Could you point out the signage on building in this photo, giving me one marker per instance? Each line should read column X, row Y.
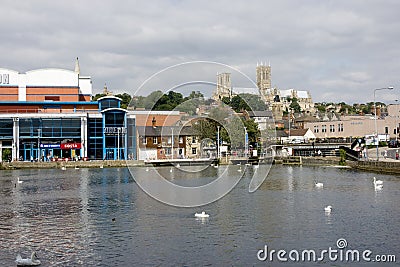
column 71, row 146
column 49, row 145
column 4, row 78
column 114, row 130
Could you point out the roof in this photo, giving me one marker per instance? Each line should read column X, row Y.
column 109, row 97
column 260, row 113
column 306, row 119
column 281, row 133
column 164, row 131
column 298, row 132
column 20, row 103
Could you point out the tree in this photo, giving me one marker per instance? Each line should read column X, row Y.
column 295, row 105
column 152, row 99
column 126, row 99
column 252, row 130
column 97, row 96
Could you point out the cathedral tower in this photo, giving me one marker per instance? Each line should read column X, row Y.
column 264, row 78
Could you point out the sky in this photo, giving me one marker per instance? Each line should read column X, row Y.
column 338, row 50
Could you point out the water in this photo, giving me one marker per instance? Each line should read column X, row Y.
column 66, row 217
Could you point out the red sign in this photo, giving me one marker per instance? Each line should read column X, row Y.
column 71, row 146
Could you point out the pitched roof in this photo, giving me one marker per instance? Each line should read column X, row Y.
column 298, row 132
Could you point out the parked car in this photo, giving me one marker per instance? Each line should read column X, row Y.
column 393, row 143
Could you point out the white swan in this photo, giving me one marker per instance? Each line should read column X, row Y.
column 378, row 187
column 27, row 262
column 201, row 215
column 328, row 209
column 63, row 168
column 319, row 185
column 19, row 181
column 170, row 170
column 377, row 182
column 101, row 166
column 147, row 169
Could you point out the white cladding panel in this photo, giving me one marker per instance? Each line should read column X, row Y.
column 85, row 85
column 51, row 77
column 8, row 77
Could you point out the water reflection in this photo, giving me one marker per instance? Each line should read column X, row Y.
column 99, row 217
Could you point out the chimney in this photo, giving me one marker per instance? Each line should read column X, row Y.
column 153, row 122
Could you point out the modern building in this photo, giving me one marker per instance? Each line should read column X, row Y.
column 334, row 126
column 48, row 114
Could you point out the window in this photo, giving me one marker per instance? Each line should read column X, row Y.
column 194, row 150
column 144, row 140
column 332, row 128
column 155, row 140
column 316, row 130
column 323, row 129
column 168, row 151
column 193, row 140
column 180, row 140
column 169, row 140
column 340, row 127
column 386, row 130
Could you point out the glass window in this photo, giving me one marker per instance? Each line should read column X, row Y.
column 194, row 150
column 155, row 140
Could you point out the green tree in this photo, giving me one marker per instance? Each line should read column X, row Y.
column 97, row 96
column 252, row 130
column 295, row 105
column 150, row 101
column 126, row 99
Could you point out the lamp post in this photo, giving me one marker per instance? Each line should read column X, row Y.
column 218, row 149
column 376, row 128
column 396, row 131
column 172, row 143
column 38, row 144
column 118, row 142
column 246, row 142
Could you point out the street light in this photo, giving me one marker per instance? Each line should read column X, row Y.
column 396, row 127
column 376, row 128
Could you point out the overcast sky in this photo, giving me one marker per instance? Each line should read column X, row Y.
column 338, row 50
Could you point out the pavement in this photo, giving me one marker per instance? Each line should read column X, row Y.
column 391, row 154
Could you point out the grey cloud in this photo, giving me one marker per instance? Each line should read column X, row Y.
column 339, row 50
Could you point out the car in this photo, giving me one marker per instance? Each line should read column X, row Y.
column 393, row 143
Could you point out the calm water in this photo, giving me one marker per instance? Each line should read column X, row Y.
column 66, row 216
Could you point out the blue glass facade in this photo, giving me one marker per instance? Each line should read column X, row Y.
column 109, row 133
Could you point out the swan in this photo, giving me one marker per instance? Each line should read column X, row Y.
column 201, row 215
column 63, row 168
column 101, row 166
column 216, row 166
column 319, row 185
column 240, row 169
column 378, row 186
column 178, row 165
column 147, row 169
column 76, row 168
column 328, row 209
column 19, row 181
column 27, row 262
column 377, row 182
column 170, row 170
